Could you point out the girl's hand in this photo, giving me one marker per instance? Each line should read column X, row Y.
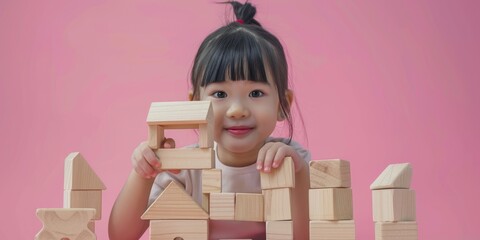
column 146, row 163
column 272, row 154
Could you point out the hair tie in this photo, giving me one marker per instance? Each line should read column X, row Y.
column 240, row 21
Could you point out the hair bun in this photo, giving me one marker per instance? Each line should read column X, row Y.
column 244, row 12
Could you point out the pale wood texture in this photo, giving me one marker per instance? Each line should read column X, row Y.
column 179, row 113
column 332, row 173
column 65, row 223
column 332, row 230
column 84, row 199
column 394, row 176
column 222, row 206
column 206, row 202
column 174, row 203
column 249, row 207
column 178, row 229
column 186, row 158
column 393, row 205
column 330, row 204
column 277, row 204
column 155, row 136
column 396, row 231
column 281, row 177
column 205, row 135
column 279, row 230
column 78, row 175
column 211, row 180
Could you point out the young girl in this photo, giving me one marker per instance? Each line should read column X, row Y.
column 241, row 68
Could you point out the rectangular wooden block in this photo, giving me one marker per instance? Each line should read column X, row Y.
column 84, row 199
column 179, row 229
column 155, row 136
column 249, row 207
column 396, row 231
column 211, row 180
column 330, row 204
column 222, row 206
column 391, row 205
column 205, row 135
column 186, row 158
column 333, row 173
column 277, row 204
column 179, row 113
column 206, row 202
column 328, row 230
column 279, row 230
column 65, row 223
column 281, row 177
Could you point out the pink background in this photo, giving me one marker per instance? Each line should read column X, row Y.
column 377, row 82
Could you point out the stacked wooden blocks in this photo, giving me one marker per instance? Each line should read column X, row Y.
column 394, row 204
column 330, row 201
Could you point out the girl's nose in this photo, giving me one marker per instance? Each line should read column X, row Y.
column 237, row 110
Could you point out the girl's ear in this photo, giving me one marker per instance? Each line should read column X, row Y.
column 289, row 97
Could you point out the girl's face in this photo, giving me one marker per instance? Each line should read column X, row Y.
column 245, row 113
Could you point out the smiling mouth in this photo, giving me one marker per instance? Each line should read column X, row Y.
column 239, row 131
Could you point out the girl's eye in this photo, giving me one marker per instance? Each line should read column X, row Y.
column 219, row 94
column 256, row 93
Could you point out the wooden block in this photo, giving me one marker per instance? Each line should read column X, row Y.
column 179, row 113
column 155, row 136
column 249, row 207
column 222, row 206
column 186, row 158
column 277, row 204
column 393, row 205
column 179, row 229
column 281, row 177
column 330, row 204
column 174, row 203
column 65, row 223
column 78, row 175
column 84, row 199
column 206, row 202
column 333, row 173
column 328, row 230
column 279, row 230
column 396, row 231
column 205, row 138
column 394, row 176
column 211, row 180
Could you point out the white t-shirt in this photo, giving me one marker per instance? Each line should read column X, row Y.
column 235, row 180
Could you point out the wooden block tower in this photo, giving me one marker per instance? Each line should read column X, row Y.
column 330, row 201
column 394, row 204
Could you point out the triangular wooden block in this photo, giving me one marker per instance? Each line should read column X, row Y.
column 174, row 203
column 394, row 176
column 79, row 175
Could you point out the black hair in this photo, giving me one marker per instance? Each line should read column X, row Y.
column 243, row 50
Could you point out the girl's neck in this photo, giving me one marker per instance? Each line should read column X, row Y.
column 233, row 159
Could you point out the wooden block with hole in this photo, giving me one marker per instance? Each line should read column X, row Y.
column 334, row 173
column 179, row 229
column 328, row 230
column 330, row 204
column 396, row 231
column 279, row 230
column 277, row 204
column 65, row 223
column 281, row 177
column 174, row 203
column 186, row 158
column 84, row 199
column 180, row 115
column 78, row 175
column 393, row 205
column 394, row 176
column 249, row 207
column 222, row 206
column 211, row 180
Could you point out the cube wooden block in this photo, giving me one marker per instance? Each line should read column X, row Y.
column 84, row 199
column 396, row 231
column 281, row 177
column 78, row 175
column 333, row 173
column 279, row 230
column 328, row 230
column 249, row 207
column 179, row 229
column 277, row 204
column 330, row 204
column 65, row 223
column 186, row 158
column 394, row 176
column 211, row 180
column 393, row 205
column 222, row 206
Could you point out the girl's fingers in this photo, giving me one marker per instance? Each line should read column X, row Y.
column 151, row 158
column 269, row 156
column 145, row 169
column 280, row 155
column 261, row 156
